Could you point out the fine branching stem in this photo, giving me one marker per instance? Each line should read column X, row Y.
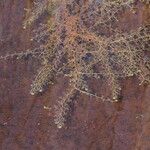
column 82, row 40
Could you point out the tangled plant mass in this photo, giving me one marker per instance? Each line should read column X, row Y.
column 81, row 39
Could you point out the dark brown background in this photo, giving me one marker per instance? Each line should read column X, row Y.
column 25, row 124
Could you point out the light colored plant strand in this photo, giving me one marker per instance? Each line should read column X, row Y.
column 69, row 46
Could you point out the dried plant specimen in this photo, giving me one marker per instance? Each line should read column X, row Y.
column 69, row 44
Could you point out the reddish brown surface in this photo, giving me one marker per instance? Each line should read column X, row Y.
column 26, row 125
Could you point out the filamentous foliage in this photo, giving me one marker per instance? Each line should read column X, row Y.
column 82, row 40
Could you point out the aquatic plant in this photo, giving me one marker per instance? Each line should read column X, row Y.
column 82, row 40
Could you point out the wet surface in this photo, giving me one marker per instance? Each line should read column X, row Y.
column 26, row 122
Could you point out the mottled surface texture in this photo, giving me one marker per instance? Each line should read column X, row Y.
column 26, row 122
